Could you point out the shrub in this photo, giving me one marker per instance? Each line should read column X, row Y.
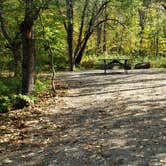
column 10, row 86
column 5, row 104
column 20, row 101
column 4, row 90
column 88, row 64
column 40, row 86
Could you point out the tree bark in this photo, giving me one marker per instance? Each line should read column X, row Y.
column 28, row 58
column 142, row 26
column 69, row 4
column 81, row 28
column 81, row 51
column 98, row 42
column 16, row 50
column 156, row 44
column 28, row 61
column 104, row 38
column 105, row 31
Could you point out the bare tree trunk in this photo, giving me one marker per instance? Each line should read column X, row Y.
column 156, row 44
column 69, row 4
column 92, row 25
column 142, row 26
column 104, row 38
column 98, row 42
column 81, row 28
column 17, row 59
column 81, row 51
column 105, row 31
column 28, row 61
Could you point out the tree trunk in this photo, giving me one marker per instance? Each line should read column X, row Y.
column 142, row 26
column 82, row 49
column 156, row 44
column 16, row 50
column 104, row 38
column 92, row 25
column 28, row 58
column 69, row 4
column 105, row 31
column 98, row 42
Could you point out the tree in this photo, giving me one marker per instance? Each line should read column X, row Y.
column 96, row 11
column 27, row 32
column 69, row 29
column 87, row 16
column 24, row 37
column 13, row 43
column 32, row 10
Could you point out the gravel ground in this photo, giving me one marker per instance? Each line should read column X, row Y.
column 113, row 119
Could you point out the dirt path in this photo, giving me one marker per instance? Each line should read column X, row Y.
column 114, row 119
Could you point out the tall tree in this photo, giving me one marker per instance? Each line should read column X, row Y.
column 25, row 38
column 28, row 62
column 13, row 43
column 32, row 10
column 93, row 23
column 89, row 12
column 142, row 12
column 69, row 29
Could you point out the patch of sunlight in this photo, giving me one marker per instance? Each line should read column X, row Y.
column 71, row 149
column 129, row 146
column 118, row 142
column 7, row 161
column 163, row 119
column 31, row 154
column 137, row 107
column 121, row 131
column 140, row 114
column 162, row 157
column 126, row 113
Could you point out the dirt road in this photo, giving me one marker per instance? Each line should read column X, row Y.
column 115, row 119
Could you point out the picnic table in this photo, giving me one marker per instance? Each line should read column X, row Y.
column 109, row 63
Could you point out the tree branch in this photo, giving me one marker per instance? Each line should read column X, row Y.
column 3, row 26
column 81, row 27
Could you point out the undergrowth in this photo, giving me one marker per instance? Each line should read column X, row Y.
column 10, row 93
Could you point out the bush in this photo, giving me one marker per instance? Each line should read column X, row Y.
column 88, row 64
column 89, row 61
column 10, row 86
column 4, row 90
column 40, row 86
column 20, row 101
column 5, row 104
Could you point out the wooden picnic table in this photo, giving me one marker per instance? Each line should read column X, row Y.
column 109, row 63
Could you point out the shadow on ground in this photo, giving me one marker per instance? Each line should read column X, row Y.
column 116, row 120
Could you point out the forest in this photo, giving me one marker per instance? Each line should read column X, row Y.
column 55, row 35
column 59, row 105
column 39, row 36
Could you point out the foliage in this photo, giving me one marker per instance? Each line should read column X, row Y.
column 20, row 101
column 5, row 104
column 3, row 88
column 40, row 86
column 118, row 35
column 9, row 85
column 10, row 93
